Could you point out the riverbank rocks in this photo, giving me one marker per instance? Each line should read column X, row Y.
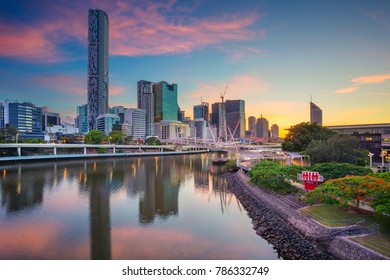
column 294, row 235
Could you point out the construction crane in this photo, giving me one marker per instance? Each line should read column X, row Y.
column 223, row 94
column 222, row 132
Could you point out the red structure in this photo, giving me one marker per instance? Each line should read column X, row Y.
column 310, row 179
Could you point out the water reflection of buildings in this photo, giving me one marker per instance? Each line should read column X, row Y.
column 19, row 192
column 98, row 183
column 155, row 181
column 160, row 194
column 23, row 187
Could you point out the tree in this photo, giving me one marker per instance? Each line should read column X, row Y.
column 8, row 134
column 270, row 174
column 64, row 139
column 338, row 148
column 117, row 136
column 350, row 190
column 334, row 170
column 94, row 137
column 299, row 136
column 33, row 140
column 153, row 141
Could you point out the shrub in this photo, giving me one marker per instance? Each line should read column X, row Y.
column 339, row 170
column 352, row 190
column 269, row 174
column 231, row 165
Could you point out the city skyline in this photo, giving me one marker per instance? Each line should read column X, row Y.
column 273, row 55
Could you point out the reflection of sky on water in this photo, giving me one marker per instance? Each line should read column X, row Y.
column 173, row 207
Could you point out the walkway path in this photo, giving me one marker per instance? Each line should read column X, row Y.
column 295, row 235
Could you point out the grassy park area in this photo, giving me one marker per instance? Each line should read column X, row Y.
column 334, row 216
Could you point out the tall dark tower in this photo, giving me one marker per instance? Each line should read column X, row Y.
column 315, row 114
column 97, row 65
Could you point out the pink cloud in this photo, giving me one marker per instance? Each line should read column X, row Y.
column 116, row 90
column 239, row 86
column 136, row 28
column 371, row 79
column 27, row 42
column 71, row 84
column 243, row 53
column 346, row 90
column 363, row 80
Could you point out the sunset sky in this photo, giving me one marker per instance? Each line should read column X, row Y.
column 275, row 55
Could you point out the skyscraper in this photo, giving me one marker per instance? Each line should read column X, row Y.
column 201, row 111
column 2, row 125
column 252, row 125
column 136, row 118
column 145, row 101
column 97, row 66
column 82, row 118
column 315, row 114
column 274, row 131
column 165, row 102
column 235, row 118
column 262, row 127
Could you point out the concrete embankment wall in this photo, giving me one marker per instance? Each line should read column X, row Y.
column 294, row 234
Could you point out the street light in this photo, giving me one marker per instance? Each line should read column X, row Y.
column 16, row 138
column 370, row 155
column 383, row 158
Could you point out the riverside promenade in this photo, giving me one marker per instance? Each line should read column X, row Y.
column 293, row 234
column 31, row 152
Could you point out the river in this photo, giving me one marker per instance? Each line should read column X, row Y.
column 168, row 207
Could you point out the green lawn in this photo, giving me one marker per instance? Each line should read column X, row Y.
column 335, row 216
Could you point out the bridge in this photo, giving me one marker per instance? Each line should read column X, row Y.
column 22, row 151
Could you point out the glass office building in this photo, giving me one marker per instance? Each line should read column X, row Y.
column 165, row 102
column 26, row 117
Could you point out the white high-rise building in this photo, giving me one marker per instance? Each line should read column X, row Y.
column 145, row 101
column 136, row 119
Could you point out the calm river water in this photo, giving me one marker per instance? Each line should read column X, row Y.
column 171, row 207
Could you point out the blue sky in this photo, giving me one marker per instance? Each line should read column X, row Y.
column 274, row 54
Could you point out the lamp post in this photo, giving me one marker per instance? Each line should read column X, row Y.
column 370, row 155
column 16, row 138
column 383, row 158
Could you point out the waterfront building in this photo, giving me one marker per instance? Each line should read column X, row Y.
column 25, row 116
column 97, row 66
column 371, row 137
column 262, row 127
column 82, row 119
column 106, row 122
column 165, row 102
column 172, row 130
column 49, row 119
column 63, row 129
column 135, row 119
column 252, row 126
column 119, row 111
column 191, row 127
column 181, row 115
column 218, row 119
column 275, row 131
column 202, row 111
column 235, row 117
column 2, row 116
column 315, row 114
column 200, row 128
column 145, row 101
